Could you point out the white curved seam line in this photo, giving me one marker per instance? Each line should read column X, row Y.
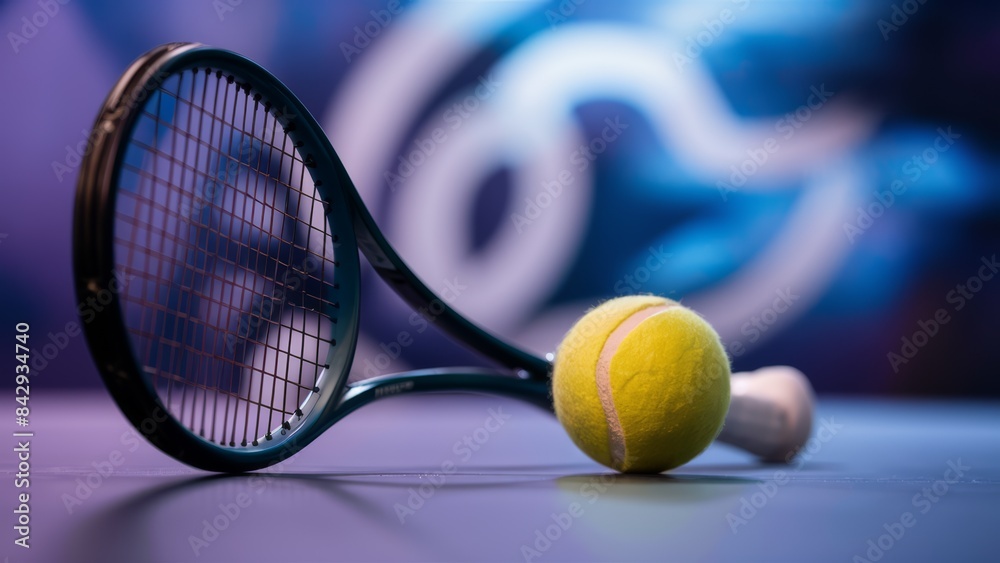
column 616, row 435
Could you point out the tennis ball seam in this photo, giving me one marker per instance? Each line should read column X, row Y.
column 616, row 433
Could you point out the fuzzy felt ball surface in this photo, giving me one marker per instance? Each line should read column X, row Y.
column 641, row 384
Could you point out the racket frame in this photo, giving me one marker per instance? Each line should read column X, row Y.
column 525, row 376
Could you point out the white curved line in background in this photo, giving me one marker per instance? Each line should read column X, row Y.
column 803, row 260
column 804, row 257
column 549, row 75
column 543, row 80
column 521, row 263
column 391, row 81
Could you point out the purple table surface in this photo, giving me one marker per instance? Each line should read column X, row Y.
column 891, row 481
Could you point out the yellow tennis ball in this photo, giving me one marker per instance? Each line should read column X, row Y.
column 641, row 384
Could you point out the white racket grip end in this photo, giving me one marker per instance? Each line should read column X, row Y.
column 770, row 413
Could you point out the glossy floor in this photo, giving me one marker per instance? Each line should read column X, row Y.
column 428, row 478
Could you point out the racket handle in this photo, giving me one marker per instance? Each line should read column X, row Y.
column 770, row 413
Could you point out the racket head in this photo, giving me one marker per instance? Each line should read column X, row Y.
column 192, row 247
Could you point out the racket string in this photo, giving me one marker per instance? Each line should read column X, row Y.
column 215, row 313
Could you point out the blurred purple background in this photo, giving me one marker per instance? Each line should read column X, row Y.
column 817, row 178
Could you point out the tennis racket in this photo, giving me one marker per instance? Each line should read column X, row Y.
column 221, row 234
